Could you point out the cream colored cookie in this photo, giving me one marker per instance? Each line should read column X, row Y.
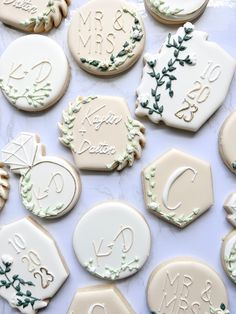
column 188, row 286
column 4, row 185
column 112, row 241
column 176, row 11
column 228, row 255
column 34, row 73
column 36, row 16
column 101, row 133
column 99, row 300
column 106, row 37
column 172, row 185
column 186, row 81
column 32, row 269
column 230, row 207
column 49, row 186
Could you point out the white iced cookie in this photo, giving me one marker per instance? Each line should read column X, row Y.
column 101, row 133
column 228, row 255
column 34, row 73
column 28, row 277
column 49, row 186
column 176, row 11
column 186, row 82
column 106, row 37
column 36, row 16
column 172, row 185
column 4, row 185
column 227, row 146
column 230, row 207
column 99, row 300
column 112, row 241
column 185, row 285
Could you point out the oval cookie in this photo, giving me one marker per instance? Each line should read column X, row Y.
column 112, row 241
column 106, row 37
column 49, row 186
column 34, row 73
column 4, row 185
column 36, row 16
column 176, row 11
column 101, row 133
column 29, row 278
column 186, row 285
column 228, row 255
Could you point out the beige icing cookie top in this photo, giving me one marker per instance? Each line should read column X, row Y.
column 101, row 133
column 28, row 278
column 185, row 285
column 34, row 73
column 228, row 254
column 227, row 145
column 99, row 300
column 49, row 186
column 112, row 241
column 33, row 15
column 4, row 185
column 106, row 37
column 172, row 185
column 186, row 82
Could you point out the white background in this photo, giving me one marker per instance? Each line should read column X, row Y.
column 201, row 239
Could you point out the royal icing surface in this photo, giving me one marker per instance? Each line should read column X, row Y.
column 181, row 84
column 4, row 185
column 33, row 15
column 34, row 73
column 99, row 299
column 28, row 278
column 228, row 254
column 49, row 186
column 172, row 185
column 101, row 133
column 230, row 207
column 112, row 241
column 106, row 37
column 188, row 286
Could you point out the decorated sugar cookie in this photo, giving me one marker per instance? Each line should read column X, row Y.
column 186, row 285
column 186, row 82
column 101, row 133
column 36, row 16
column 99, row 299
column 176, row 11
column 106, row 37
column 230, row 207
column 112, row 241
column 49, row 186
column 28, row 277
column 228, row 255
column 172, row 185
column 34, row 73
column 4, row 185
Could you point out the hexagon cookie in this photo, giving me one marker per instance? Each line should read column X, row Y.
column 186, row 82
column 178, row 187
column 101, row 133
column 28, row 276
column 101, row 300
column 4, row 185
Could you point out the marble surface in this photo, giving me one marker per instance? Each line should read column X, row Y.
column 203, row 238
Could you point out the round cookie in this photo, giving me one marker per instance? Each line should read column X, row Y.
column 228, row 255
column 227, row 146
column 186, row 285
column 112, row 241
column 34, row 73
column 106, row 37
column 36, row 16
column 49, row 186
column 4, row 185
column 176, row 11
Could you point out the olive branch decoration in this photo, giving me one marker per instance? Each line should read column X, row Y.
column 160, row 5
column 231, row 263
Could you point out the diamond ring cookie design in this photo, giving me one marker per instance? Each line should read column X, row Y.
column 49, row 186
column 112, row 241
column 186, row 82
column 176, row 11
column 185, row 284
column 34, row 73
column 172, row 185
column 35, row 16
column 28, row 278
column 106, row 37
column 4, row 185
column 230, row 208
column 101, row 133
